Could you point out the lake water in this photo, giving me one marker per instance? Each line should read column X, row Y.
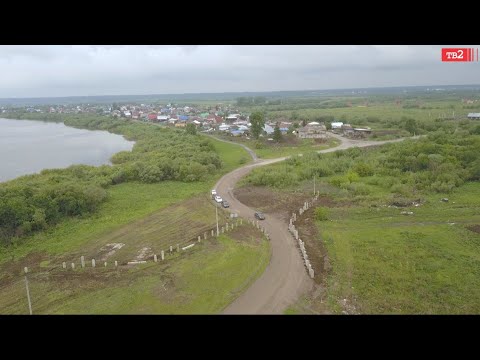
column 28, row 147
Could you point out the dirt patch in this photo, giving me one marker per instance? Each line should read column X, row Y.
column 143, row 254
column 474, row 228
column 13, row 268
column 110, row 249
column 277, row 203
column 246, row 233
column 317, row 253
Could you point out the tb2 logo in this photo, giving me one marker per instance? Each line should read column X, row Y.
column 459, row 54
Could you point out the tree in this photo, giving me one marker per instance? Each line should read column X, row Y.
column 191, row 129
column 411, row 126
column 257, row 119
column 277, row 134
column 304, row 122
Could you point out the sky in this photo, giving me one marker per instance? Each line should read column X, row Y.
column 83, row 70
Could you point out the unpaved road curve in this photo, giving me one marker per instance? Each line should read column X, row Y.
column 285, row 278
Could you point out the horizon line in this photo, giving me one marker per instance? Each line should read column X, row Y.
column 237, row 92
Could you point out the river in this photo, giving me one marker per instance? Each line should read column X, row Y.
column 27, row 147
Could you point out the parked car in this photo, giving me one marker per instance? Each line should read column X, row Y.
column 225, row 204
column 214, row 193
column 259, row 216
column 218, row 199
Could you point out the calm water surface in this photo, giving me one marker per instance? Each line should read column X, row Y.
column 28, row 147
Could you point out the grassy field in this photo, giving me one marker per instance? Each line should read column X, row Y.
column 385, row 262
column 202, row 280
column 269, row 150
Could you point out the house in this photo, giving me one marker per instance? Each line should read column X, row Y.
column 162, row 118
column 361, row 132
column 236, row 132
column 232, row 117
column 315, row 131
column 152, row 117
column 337, row 125
column 347, row 129
column 473, row 116
column 224, row 127
column 268, row 129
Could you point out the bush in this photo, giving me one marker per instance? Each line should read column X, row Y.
column 321, row 214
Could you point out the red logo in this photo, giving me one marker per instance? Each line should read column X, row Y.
column 459, row 54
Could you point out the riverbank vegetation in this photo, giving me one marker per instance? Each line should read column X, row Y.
column 34, row 202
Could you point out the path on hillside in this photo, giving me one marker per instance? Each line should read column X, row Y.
column 285, row 278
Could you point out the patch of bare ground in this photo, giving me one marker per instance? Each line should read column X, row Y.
column 278, row 203
column 246, row 233
column 474, row 228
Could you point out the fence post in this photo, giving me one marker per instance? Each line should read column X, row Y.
column 73, row 266
column 82, row 260
column 163, row 255
column 93, row 262
column 64, row 265
column 178, row 247
column 116, row 263
column 199, row 238
column 155, row 257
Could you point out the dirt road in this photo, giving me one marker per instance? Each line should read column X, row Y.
column 285, row 278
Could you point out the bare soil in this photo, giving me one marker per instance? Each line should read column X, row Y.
column 474, row 228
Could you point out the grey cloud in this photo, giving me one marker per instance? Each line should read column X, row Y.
column 30, row 71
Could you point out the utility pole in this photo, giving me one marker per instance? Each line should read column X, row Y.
column 216, row 216
column 313, row 185
column 28, row 291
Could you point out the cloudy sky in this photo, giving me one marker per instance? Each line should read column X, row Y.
column 42, row 71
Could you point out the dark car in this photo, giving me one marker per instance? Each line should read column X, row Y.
column 259, row 216
column 225, row 204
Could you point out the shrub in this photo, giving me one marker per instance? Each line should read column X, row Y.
column 321, row 214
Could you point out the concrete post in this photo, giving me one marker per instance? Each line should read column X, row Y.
column 155, row 257
column 64, row 265
column 163, row 255
column 204, row 236
column 178, row 247
column 241, row 222
column 82, row 260
column 105, row 264
column 93, row 262
column 171, row 248
column 73, row 266
column 116, row 263
column 199, row 238
column 312, row 273
column 212, row 233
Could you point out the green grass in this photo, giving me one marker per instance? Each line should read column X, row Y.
column 273, row 151
column 232, row 155
column 203, row 280
column 426, row 263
